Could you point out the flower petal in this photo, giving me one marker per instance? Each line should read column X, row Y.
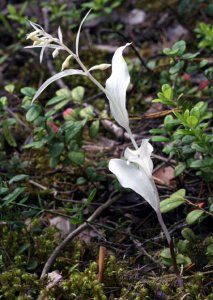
column 116, row 86
column 56, row 77
column 141, row 156
column 136, row 179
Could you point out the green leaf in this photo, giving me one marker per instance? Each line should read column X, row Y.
column 72, row 128
column 94, row 128
column 77, row 157
column 56, row 149
column 90, row 198
column 32, row 265
column 160, row 139
column 192, row 121
column 176, row 68
column 18, row 178
column 13, row 196
column 78, row 93
column 35, row 145
column 194, row 216
column 170, row 204
column 33, row 113
column 55, row 100
column 7, row 132
column 167, row 91
column 11, row 9
column 9, row 88
column 181, row 46
column 175, row 200
column 180, row 168
column 206, row 162
column 28, row 91
column 165, row 253
column 190, row 55
column 61, row 104
column 87, row 112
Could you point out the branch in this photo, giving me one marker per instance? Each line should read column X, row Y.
column 74, row 233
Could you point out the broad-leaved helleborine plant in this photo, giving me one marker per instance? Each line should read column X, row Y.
column 135, row 170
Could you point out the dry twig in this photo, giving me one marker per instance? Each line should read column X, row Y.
column 74, row 233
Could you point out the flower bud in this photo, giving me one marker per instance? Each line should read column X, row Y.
column 68, row 113
column 65, row 64
column 55, row 53
column 53, row 126
column 203, row 85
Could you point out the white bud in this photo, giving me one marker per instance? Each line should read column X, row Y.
column 55, row 53
column 100, row 67
column 65, row 64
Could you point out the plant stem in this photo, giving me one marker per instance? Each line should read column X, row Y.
column 172, row 250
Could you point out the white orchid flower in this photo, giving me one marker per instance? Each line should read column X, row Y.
column 116, row 86
column 136, row 173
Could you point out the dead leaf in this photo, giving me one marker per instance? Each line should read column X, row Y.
column 62, row 223
column 165, row 176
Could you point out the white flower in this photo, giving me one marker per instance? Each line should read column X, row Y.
column 136, row 173
column 116, row 86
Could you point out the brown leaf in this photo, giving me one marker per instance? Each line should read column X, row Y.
column 165, row 176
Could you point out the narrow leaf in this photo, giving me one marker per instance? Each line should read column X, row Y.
column 56, row 77
column 79, row 31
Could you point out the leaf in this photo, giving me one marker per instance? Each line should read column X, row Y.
column 136, row 179
column 116, row 86
column 32, row 265
column 71, row 129
column 56, row 149
column 28, row 91
column 78, row 33
column 9, row 88
column 77, row 157
column 159, row 139
column 181, row 46
column 94, row 128
column 176, row 68
column 18, row 178
column 56, row 77
column 8, row 134
column 87, row 112
column 167, row 91
column 180, row 168
column 33, row 113
column 13, row 196
column 194, row 216
column 77, row 93
column 170, row 204
column 55, row 100
column 90, row 198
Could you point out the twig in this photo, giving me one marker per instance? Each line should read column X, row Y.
column 74, row 233
column 200, row 208
column 42, row 187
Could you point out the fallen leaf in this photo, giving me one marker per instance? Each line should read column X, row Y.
column 165, row 176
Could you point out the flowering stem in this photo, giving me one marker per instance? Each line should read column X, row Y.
column 172, row 249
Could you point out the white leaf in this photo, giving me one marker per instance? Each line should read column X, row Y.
column 141, row 156
column 78, row 34
column 136, row 179
column 56, row 77
column 60, row 36
column 42, row 52
column 116, row 86
column 100, row 67
column 42, row 45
